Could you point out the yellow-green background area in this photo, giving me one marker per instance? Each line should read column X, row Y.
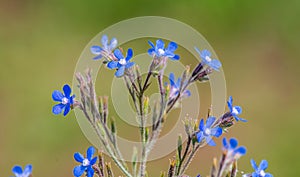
column 40, row 42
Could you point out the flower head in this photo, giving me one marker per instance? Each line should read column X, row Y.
column 260, row 170
column 207, row 131
column 86, row 163
column 206, row 59
column 122, row 62
column 160, row 51
column 235, row 110
column 106, row 49
column 17, row 170
column 231, row 149
column 175, row 87
column 65, row 99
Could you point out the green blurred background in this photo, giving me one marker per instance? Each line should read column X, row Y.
column 40, row 42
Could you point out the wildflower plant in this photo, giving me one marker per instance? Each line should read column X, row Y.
column 171, row 91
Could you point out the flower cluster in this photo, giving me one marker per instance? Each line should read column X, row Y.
column 198, row 135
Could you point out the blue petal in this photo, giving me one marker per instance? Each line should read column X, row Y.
column 217, row 131
column 90, row 171
column 253, row 164
column 120, row 71
column 96, row 50
column 90, row 152
column 27, row 170
column 239, row 109
column 97, row 57
column 57, row 95
column 239, row 119
column 175, row 57
column 172, row 47
column 118, row 54
column 67, row 109
column 263, row 165
column 255, row 175
column 229, row 103
column 57, row 109
column 71, row 100
column 225, row 144
column 199, row 136
column 93, row 161
column 159, row 44
column 172, row 79
column 210, row 121
column 129, row 54
column 67, row 90
column 113, row 44
column 17, row 170
column 150, row 51
column 241, row 150
column 104, row 41
column 233, row 143
column 201, row 125
column 215, row 64
column 197, row 50
column 268, row 175
column 210, row 141
column 205, row 53
column 187, row 93
column 129, row 65
column 78, row 157
column 78, row 170
column 151, row 44
column 112, row 64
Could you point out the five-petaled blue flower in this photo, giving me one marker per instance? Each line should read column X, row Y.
column 206, row 58
column 17, row 170
column 122, row 63
column 260, row 170
column 106, row 48
column 66, row 100
column 206, row 131
column 86, row 163
column 175, row 86
column 231, row 149
column 235, row 110
column 160, row 51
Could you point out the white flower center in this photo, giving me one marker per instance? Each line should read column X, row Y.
column 64, row 100
column 208, row 59
column 262, row 173
column 86, row 162
column 122, row 61
column 161, row 51
column 207, row 131
column 235, row 111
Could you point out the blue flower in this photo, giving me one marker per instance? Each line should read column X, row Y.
column 206, row 131
column 175, row 87
column 17, row 170
column 66, row 100
column 206, row 58
column 86, row 163
column 260, row 171
column 160, row 51
column 122, row 63
column 231, row 149
column 106, row 48
column 235, row 110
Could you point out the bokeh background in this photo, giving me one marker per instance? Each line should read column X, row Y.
column 40, row 42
